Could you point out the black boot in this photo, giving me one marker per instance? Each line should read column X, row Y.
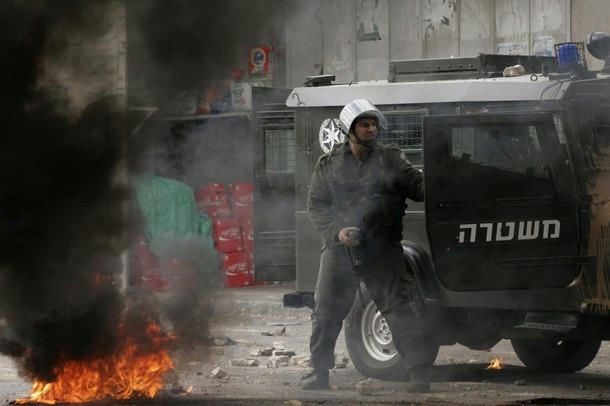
column 318, row 379
column 420, row 380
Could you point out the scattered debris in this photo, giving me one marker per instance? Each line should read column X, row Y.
column 301, row 361
column 248, row 362
column 278, row 361
column 219, row 373
column 367, row 387
column 521, row 382
column 341, row 361
column 221, row 340
column 180, row 390
column 293, row 402
column 283, row 352
column 277, row 332
column 265, row 352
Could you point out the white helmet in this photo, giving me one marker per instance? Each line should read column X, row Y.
column 359, row 108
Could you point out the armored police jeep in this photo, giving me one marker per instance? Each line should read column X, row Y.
column 513, row 239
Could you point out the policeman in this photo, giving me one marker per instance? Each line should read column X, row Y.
column 356, row 202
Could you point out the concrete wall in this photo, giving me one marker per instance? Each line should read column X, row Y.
column 356, row 39
column 587, row 16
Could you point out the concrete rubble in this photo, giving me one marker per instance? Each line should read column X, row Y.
column 264, row 352
column 301, row 361
column 341, row 361
column 219, row 373
column 248, row 362
column 279, row 331
column 284, row 352
column 278, row 361
column 367, row 387
column 222, row 340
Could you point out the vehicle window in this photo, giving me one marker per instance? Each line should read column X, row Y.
column 515, row 148
column 404, row 129
column 279, row 151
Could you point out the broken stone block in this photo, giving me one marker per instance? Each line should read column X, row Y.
column 278, row 345
column 367, row 387
column 301, row 361
column 267, row 351
column 219, row 373
column 244, row 362
column 279, row 331
column 221, row 340
column 341, row 361
column 276, row 362
column 287, row 353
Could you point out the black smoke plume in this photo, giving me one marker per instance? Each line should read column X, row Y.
column 61, row 223
column 177, row 45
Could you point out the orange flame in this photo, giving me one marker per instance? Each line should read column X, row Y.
column 123, row 375
column 495, row 363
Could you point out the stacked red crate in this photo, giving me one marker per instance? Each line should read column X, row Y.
column 242, row 199
column 242, row 203
column 236, row 267
column 228, row 234
column 213, row 200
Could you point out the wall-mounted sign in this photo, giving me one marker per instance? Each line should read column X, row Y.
column 259, row 63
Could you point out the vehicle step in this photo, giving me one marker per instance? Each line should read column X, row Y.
column 558, row 328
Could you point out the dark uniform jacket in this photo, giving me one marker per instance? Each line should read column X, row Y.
column 368, row 194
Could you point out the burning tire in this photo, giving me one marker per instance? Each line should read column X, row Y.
column 369, row 342
column 556, row 355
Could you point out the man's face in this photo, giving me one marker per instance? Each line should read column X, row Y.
column 366, row 128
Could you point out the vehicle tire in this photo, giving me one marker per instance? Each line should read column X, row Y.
column 369, row 342
column 549, row 355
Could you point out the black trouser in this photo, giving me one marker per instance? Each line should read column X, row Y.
column 335, row 292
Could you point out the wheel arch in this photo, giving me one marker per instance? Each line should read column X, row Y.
column 419, row 263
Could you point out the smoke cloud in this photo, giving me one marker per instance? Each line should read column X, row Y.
column 178, row 45
column 63, row 204
column 61, row 222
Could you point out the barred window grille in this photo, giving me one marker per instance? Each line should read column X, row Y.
column 279, row 151
column 404, row 129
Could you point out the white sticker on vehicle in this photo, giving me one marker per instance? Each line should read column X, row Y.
column 330, row 134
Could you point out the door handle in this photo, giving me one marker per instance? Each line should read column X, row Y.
column 453, row 205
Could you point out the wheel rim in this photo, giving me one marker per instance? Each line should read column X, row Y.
column 376, row 334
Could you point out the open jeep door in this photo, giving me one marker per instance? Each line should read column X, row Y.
column 501, row 207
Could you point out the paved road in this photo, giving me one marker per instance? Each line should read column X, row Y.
column 459, row 376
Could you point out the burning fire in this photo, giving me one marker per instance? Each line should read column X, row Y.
column 126, row 374
column 495, row 363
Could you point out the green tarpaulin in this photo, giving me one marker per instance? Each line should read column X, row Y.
column 174, row 227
